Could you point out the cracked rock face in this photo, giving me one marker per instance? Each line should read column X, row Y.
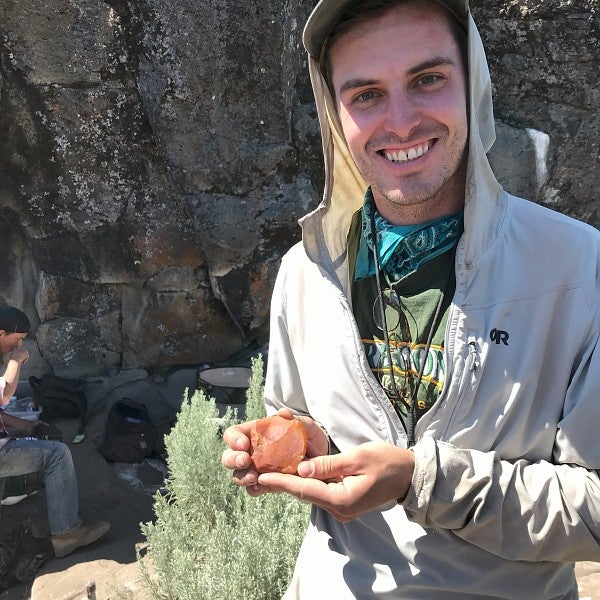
column 155, row 157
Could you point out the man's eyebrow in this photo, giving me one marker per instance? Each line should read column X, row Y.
column 353, row 84
column 432, row 63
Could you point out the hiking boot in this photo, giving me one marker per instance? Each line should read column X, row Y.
column 65, row 543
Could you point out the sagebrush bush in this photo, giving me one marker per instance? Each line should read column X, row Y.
column 210, row 539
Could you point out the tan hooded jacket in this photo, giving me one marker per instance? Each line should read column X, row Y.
column 506, row 492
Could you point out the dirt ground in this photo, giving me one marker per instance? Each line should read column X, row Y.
column 588, row 577
column 122, row 494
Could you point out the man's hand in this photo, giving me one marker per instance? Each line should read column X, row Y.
column 16, row 424
column 237, row 456
column 25, row 428
column 350, row 484
column 19, row 354
column 43, row 431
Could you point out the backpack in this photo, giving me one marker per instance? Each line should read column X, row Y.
column 130, row 436
column 60, row 398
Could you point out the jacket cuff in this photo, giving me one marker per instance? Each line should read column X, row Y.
column 331, row 447
column 419, row 494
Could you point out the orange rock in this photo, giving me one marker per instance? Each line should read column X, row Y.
column 277, row 444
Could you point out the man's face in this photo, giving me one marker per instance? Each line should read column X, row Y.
column 400, row 92
column 10, row 341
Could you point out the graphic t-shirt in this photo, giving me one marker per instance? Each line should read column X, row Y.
column 410, row 306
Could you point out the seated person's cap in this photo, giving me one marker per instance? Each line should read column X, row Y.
column 327, row 12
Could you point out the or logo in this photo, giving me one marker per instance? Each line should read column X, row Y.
column 499, row 336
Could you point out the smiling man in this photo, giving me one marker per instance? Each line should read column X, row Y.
column 404, row 119
column 438, row 337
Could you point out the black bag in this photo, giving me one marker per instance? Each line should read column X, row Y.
column 130, row 436
column 60, row 398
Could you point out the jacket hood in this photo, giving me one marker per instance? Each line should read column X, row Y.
column 325, row 229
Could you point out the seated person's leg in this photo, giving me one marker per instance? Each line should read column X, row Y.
column 54, row 459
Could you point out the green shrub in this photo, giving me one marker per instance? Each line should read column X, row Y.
column 210, row 539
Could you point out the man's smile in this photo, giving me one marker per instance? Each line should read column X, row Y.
column 402, row 156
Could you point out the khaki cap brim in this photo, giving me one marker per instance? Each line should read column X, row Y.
column 327, row 12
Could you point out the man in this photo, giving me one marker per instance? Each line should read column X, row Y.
column 15, row 326
column 439, row 333
column 22, row 455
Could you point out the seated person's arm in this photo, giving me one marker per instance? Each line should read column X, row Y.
column 18, row 425
column 15, row 359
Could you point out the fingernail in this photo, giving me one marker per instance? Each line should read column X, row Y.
column 305, row 468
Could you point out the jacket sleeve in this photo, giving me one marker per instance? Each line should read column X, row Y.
column 546, row 510
column 283, row 387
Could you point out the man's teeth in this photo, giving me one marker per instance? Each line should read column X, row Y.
column 405, row 156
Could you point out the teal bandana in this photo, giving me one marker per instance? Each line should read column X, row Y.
column 403, row 248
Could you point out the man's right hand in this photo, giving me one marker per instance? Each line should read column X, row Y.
column 20, row 354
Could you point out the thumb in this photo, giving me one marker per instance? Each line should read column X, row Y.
column 325, row 468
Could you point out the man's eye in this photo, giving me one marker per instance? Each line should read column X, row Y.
column 365, row 96
column 429, row 79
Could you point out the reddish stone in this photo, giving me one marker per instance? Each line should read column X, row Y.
column 277, row 444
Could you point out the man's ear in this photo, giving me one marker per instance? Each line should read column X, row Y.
column 2, row 332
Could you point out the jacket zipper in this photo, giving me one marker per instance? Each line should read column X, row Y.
column 375, row 388
column 471, row 366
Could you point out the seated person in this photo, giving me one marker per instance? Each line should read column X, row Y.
column 22, row 455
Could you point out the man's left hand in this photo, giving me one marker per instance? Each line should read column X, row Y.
column 44, row 431
column 349, row 484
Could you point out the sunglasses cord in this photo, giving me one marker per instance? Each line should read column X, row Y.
column 412, row 408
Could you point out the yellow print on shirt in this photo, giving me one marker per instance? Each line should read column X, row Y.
column 406, row 359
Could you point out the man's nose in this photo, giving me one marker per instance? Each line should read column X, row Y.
column 402, row 115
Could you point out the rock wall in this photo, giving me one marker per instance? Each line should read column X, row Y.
column 544, row 58
column 156, row 155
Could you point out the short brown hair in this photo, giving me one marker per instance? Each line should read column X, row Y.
column 362, row 11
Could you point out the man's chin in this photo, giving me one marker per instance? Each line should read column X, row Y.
column 401, row 197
